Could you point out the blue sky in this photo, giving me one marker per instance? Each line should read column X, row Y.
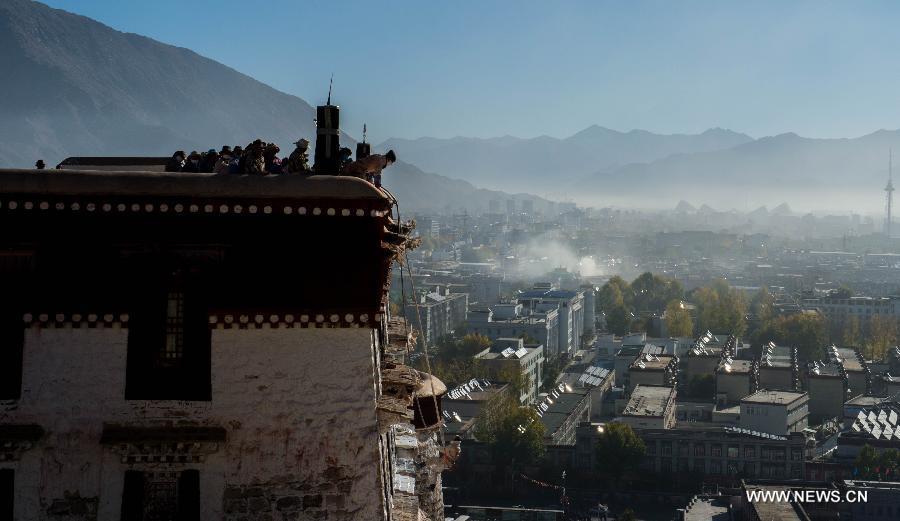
column 489, row 68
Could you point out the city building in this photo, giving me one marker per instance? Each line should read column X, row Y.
column 705, row 508
column 828, row 388
column 629, row 354
column 513, row 355
column 875, row 426
column 735, row 379
column 775, row 412
column 722, row 454
column 859, row 376
column 569, row 305
column 861, row 308
column 652, row 370
column 597, row 380
column 882, row 500
column 563, row 413
column 779, row 368
column 440, row 312
column 463, row 406
column 194, row 346
column 650, row 407
column 510, row 321
column 590, row 314
column 705, row 356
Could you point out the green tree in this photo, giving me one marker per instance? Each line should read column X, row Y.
column 866, row 461
column 619, row 451
column 805, row 331
column 627, row 515
column 889, row 463
column 720, row 308
column 612, row 294
column 851, row 334
column 453, row 370
column 678, row 320
column 652, row 292
column 472, row 344
column 762, row 306
column 618, row 320
column 515, row 434
column 882, row 335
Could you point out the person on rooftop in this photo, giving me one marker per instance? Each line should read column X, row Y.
column 176, row 164
column 298, row 161
column 273, row 162
column 192, row 164
column 234, row 166
column 224, row 160
column 254, row 161
column 208, row 161
column 370, row 168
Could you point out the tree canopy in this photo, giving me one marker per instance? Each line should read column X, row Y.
column 678, row 320
column 720, row 308
column 805, row 331
column 515, row 434
column 619, row 451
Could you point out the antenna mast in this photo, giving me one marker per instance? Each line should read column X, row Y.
column 889, row 194
column 329, row 89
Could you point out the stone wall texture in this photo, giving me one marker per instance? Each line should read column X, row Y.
column 298, row 407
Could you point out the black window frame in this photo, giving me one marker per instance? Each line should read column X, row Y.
column 149, row 374
column 12, row 354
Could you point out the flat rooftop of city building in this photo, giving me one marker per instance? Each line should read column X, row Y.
column 708, row 509
column 636, row 349
column 825, row 370
column 649, row 400
column 782, row 511
column 180, row 184
column 865, row 401
column 648, row 362
column 709, row 350
column 561, row 408
column 735, row 367
column 547, row 293
column 773, row 397
column 496, row 353
column 850, row 359
column 883, row 485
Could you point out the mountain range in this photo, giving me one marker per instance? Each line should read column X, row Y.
column 542, row 163
column 73, row 86
column 598, row 167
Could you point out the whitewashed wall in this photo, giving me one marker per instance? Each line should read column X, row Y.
column 298, row 406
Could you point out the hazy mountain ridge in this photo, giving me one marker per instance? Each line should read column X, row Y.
column 786, row 166
column 424, row 192
column 77, row 87
column 544, row 163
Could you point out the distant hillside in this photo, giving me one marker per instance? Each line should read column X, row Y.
column 73, row 86
column 817, row 173
column 544, row 164
column 420, row 191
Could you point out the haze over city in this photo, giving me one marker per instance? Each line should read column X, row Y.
column 474, row 261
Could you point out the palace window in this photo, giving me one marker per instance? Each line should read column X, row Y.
column 169, row 344
column 161, row 495
column 7, row 494
column 12, row 339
